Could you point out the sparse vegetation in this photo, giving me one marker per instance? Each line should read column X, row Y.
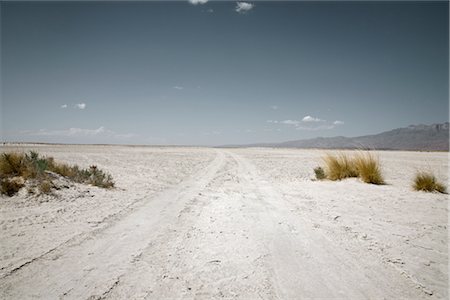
column 16, row 168
column 427, row 182
column 45, row 187
column 320, row 173
column 341, row 166
column 10, row 186
column 368, row 168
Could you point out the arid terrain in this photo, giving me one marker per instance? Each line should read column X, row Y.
column 226, row 223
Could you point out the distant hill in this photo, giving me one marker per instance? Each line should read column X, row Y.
column 433, row 137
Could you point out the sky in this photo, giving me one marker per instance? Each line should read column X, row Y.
column 212, row 72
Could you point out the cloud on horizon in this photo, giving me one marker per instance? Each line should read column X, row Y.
column 76, row 132
column 80, row 105
column 309, row 123
column 177, row 87
column 195, row 2
column 243, row 7
column 311, row 119
column 64, row 106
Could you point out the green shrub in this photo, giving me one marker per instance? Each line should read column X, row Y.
column 99, row 178
column 427, row 182
column 320, row 174
column 32, row 166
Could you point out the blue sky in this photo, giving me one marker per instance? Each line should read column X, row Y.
column 212, row 73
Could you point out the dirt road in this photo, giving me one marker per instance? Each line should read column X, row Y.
column 226, row 231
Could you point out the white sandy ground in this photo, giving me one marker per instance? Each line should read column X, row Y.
column 226, row 223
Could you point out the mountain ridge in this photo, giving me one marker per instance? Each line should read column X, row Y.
column 434, row 137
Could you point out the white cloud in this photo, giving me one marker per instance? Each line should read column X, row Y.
column 77, row 132
column 312, row 119
column 274, row 107
column 243, row 7
column 210, row 10
column 80, row 105
column 177, row 87
column 291, row 122
column 309, row 123
column 195, row 2
column 64, row 106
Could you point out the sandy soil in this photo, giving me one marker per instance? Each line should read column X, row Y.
column 226, row 223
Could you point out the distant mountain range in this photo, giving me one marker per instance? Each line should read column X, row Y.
column 433, row 137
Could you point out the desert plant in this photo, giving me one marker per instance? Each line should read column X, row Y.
column 45, row 186
column 100, row 178
column 426, row 181
column 339, row 167
column 10, row 186
column 32, row 166
column 368, row 168
column 320, row 174
column 12, row 164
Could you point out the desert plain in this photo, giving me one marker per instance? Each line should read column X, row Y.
column 248, row 223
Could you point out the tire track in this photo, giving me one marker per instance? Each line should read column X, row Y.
column 92, row 266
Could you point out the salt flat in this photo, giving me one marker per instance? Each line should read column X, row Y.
column 226, row 223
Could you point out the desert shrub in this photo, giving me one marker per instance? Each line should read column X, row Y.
column 426, row 181
column 368, row 168
column 35, row 166
column 45, row 186
column 320, row 173
column 32, row 166
column 12, row 164
column 99, row 178
column 10, row 186
column 339, row 167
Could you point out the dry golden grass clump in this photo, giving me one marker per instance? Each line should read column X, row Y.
column 363, row 165
column 16, row 168
column 339, row 167
column 427, row 182
column 368, row 168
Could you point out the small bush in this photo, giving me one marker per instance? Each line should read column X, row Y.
column 368, row 168
column 427, row 182
column 12, row 164
column 320, row 174
column 45, row 187
column 99, row 178
column 10, row 186
column 339, row 167
column 32, row 166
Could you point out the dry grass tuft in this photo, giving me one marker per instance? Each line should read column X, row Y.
column 339, row 167
column 10, row 186
column 427, row 182
column 368, row 168
column 45, row 187
column 12, row 164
